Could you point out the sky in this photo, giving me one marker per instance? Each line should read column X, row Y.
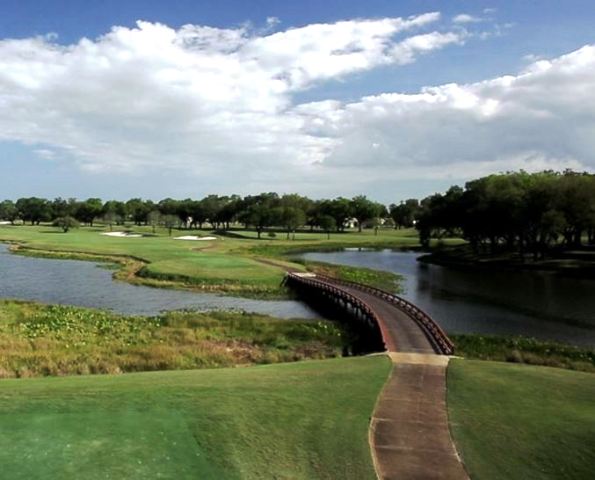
column 391, row 99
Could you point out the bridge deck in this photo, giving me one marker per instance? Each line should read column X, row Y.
column 410, row 437
column 405, row 334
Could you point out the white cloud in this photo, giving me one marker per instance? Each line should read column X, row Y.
column 540, row 119
column 466, row 18
column 195, row 99
column 218, row 105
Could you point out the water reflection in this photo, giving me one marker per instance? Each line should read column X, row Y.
column 86, row 284
column 542, row 305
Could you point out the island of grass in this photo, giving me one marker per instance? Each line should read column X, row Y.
column 237, row 264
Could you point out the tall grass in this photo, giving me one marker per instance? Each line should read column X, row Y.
column 39, row 340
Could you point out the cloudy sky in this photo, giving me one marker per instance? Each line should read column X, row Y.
column 390, row 99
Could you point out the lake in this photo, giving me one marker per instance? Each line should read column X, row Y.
column 87, row 284
column 537, row 304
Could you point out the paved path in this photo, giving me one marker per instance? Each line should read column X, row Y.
column 409, row 432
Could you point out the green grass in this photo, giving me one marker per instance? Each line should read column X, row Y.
column 522, row 422
column 231, row 264
column 38, row 340
column 524, row 350
column 303, row 420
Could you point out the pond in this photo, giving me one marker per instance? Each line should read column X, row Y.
column 537, row 304
column 87, row 284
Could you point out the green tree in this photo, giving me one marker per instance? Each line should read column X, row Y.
column 327, row 224
column 8, row 211
column 363, row 210
column 66, row 223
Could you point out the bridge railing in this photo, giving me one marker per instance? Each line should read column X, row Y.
column 433, row 331
column 352, row 299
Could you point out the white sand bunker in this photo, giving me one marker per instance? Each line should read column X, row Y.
column 122, row 234
column 194, row 237
column 4, row 222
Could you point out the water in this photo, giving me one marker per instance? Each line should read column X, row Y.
column 536, row 304
column 86, row 284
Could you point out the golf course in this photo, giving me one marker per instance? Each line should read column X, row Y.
column 162, row 396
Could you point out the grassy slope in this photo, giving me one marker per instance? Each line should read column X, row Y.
column 522, row 422
column 231, row 263
column 303, row 420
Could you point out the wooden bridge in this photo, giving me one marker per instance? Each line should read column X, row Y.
column 409, row 433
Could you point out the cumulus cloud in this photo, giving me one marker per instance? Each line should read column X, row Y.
column 209, row 103
column 540, row 119
column 195, row 98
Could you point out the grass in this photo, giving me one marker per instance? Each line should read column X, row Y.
column 524, row 350
column 522, row 422
column 303, row 420
column 232, row 264
column 39, row 340
column 376, row 278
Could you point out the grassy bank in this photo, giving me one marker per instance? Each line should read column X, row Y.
column 304, row 420
column 524, row 350
column 37, row 340
column 238, row 264
column 522, row 422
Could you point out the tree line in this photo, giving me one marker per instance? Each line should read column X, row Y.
column 289, row 212
column 517, row 212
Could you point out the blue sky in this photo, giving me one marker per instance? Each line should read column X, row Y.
column 153, row 127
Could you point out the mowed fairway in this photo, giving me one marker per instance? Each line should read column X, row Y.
column 304, row 420
column 522, row 422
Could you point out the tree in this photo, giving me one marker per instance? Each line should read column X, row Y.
column 138, row 210
column 291, row 218
column 153, row 219
column 88, row 210
column 260, row 211
column 170, row 222
column 34, row 210
column 114, row 211
column 66, row 223
column 8, row 211
column 405, row 214
column 363, row 210
column 327, row 223
column 339, row 209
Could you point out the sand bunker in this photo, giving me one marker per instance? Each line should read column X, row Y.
column 194, row 237
column 122, row 234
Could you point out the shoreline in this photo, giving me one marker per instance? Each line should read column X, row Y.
column 572, row 268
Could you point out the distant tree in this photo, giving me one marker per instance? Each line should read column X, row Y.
column 153, row 219
column 8, row 211
column 291, row 218
column 339, row 209
column 404, row 214
column 170, row 222
column 327, row 224
column 114, row 212
column 66, row 223
column 34, row 210
column 138, row 210
column 259, row 211
column 363, row 210
column 89, row 210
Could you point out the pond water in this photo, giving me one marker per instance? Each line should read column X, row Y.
column 86, row 284
column 536, row 304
